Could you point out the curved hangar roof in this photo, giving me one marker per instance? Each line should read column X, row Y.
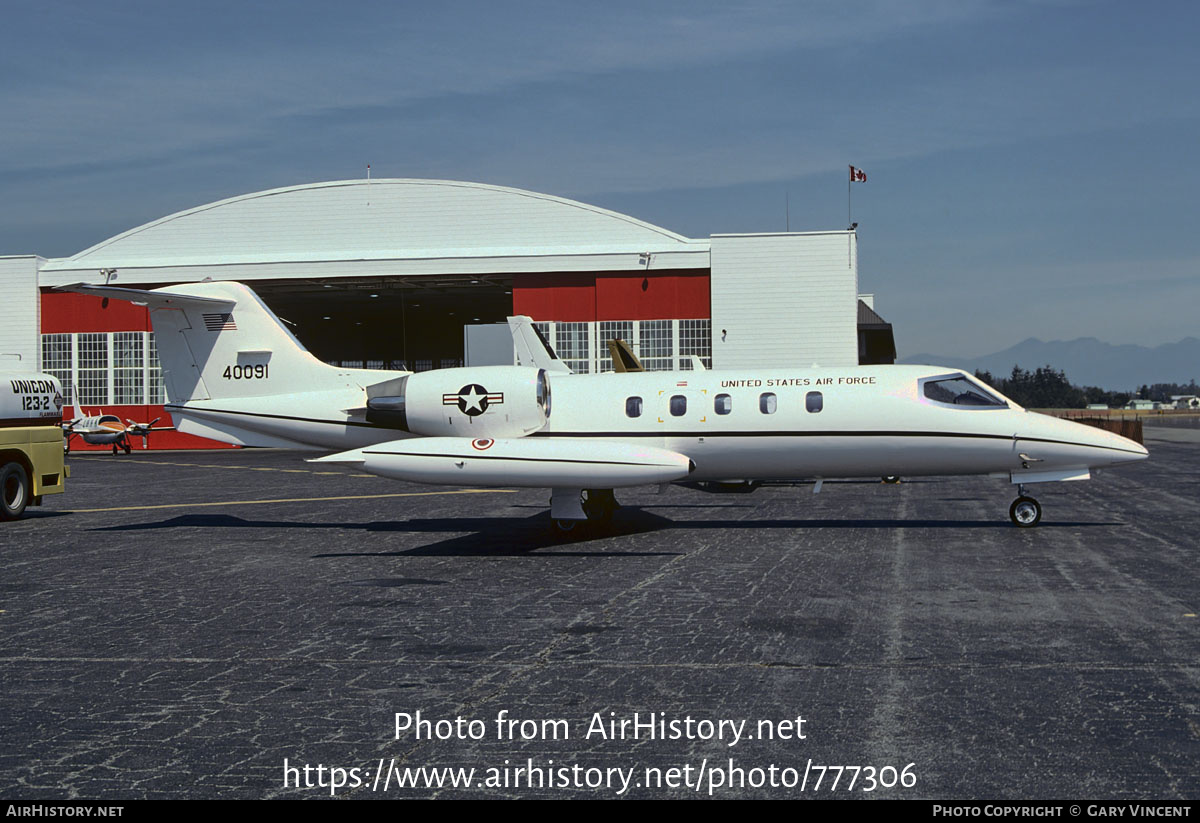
column 360, row 220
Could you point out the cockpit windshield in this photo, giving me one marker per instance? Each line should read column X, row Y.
column 957, row 390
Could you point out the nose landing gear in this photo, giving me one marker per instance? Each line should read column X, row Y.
column 1025, row 512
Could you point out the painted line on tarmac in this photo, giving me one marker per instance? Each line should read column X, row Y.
column 1082, row 667
column 229, row 466
column 286, row 500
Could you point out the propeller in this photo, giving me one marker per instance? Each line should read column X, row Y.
column 142, row 430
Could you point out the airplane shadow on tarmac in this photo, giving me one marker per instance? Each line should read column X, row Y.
column 484, row 537
column 517, row 536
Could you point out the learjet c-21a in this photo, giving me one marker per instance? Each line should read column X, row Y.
column 236, row 374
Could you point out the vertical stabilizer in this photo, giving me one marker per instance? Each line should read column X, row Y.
column 531, row 347
column 219, row 340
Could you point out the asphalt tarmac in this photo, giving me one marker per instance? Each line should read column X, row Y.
column 181, row 624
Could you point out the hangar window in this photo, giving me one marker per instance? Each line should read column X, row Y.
column 107, row 367
column 571, row 343
column 129, row 367
column 768, row 402
column 656, row 344
column 695, row 337
column 56, row 360
column 723, row 404
column 92, row 371
column 611, row 330
column 957, row 390
column 678, row 405
column 814, row 401
column 633, row 407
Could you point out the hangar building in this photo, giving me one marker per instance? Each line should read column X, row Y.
column 386, row 273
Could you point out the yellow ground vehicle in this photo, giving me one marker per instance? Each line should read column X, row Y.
column 31, row 452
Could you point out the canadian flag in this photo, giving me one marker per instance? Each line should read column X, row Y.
column 857, row 175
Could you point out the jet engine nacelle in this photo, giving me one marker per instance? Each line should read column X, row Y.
column 485, row 401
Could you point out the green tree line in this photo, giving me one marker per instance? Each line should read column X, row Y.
column 1049, row 388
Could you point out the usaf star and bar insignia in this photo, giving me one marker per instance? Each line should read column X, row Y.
column 473, row 399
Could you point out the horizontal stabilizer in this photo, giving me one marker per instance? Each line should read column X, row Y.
column 623, row 358
column 156, row 299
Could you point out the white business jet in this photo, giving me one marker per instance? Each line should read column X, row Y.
column 235, row 373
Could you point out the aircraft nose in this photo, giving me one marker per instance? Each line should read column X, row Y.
column 1126, row 449
column 1111, row 448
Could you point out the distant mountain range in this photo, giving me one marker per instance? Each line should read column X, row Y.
column 1087, row 361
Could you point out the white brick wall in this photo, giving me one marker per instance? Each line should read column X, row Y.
column 784, row 300
column 20, row 311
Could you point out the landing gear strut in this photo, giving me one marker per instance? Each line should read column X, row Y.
column 1025, row 512
column 596, row 505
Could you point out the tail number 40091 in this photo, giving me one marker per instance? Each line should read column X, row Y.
column 257, row 372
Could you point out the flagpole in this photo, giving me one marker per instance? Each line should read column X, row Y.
column 849, row 182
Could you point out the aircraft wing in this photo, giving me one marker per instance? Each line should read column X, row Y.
column 532, row 348
column 155, row 299
column 537, row 462
column 76, row 429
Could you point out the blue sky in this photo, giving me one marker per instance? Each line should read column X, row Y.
column 1032, row 165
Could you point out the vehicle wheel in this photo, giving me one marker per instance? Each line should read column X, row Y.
column 1025, row 512
column 565, row 526
column 892, row 479
column 740, row 486
column 126, row 447
column 114, row 448
column 14, row 491
column 599, row 504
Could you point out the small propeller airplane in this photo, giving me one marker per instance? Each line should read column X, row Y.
column 102, row 429
column 235, row 373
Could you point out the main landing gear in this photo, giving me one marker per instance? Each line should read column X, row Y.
column 596, row 505
column 1025, row 512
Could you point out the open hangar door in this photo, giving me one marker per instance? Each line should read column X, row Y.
column 410, row 322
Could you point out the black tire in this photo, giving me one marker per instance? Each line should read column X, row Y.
column 599, row 504
column 14, row 491
column 891, row 479
column 566, row 526
column 126, row 447
column 1025, row 512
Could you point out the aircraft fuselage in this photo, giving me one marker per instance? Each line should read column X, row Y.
column 864, row 421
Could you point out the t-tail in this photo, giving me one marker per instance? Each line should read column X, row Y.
column 227, row 360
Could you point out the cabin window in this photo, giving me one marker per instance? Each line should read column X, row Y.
column 678, row 405
column 633, row 407
column 722, row 404
column 767, row 403
column 957, row 390
column 814, row 401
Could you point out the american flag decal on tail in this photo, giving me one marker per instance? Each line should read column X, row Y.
column 219, row 322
